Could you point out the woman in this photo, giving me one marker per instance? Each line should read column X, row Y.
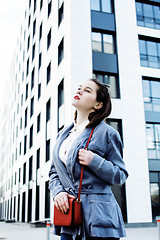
column 103, row 163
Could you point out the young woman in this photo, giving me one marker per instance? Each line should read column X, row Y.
column 103, row 163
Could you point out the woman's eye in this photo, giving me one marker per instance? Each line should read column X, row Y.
column 87, row 91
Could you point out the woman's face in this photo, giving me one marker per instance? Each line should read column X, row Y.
column 85, row 99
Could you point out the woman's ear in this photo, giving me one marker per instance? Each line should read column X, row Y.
column 98, row 105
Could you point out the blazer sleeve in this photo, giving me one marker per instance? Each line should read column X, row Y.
column 55, row 184
column 111, row 169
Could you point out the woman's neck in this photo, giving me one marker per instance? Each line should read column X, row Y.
column 81, row 118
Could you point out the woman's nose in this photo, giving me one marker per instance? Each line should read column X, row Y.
column 79, row 91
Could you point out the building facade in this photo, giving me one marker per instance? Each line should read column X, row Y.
column 61, row 44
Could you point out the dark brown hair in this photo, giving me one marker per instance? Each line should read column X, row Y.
column 103, row 96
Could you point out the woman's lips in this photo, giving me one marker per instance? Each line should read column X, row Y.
column 76, row 97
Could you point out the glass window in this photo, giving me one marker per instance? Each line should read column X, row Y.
column 153, row 140
column 152, row 48
column 95, row 5
column 106, row 6
column 148, row 10
column 96, row 42
column 155, row 199
column 142, row 46
column 139, row 8
column 108, row 43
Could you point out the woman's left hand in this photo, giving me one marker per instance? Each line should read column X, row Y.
column 85, row 156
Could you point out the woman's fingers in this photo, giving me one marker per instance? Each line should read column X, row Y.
column 61, row 201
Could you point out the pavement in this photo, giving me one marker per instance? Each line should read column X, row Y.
column 23, row 231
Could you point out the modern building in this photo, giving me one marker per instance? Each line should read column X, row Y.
column 61, row 44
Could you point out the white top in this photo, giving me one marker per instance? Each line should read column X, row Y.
column 67, row 143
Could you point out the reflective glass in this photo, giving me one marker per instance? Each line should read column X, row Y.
column 150, row 136
column 106, row 6
column 148, row 10
column 152, row 62
column 108, row 46
column 95, row 5
column 100, row 77
column 96, row 42
column 152, row 154
column 146, row 88
column 155, row 86
column 142, row 46
column 156, row 104
column 147, row 106
column 157, row 132
column 158, row 49
column 113, row 86
column 152, row 48
column 156, row 12
column 139, row 9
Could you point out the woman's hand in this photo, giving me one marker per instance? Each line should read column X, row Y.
column 61, row 201
column 85, row 156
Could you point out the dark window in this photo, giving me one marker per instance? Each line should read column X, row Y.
column 28, row 44
column 49, row 39
column 49, row 72
column 39, row 90
column 40, row 60
column 33, row 52
column 38, row 122
column 41, row 4
column 26, row 90
column 23, row 206
column 49, row 7
column 20, row 148
column 25, row 119
column 29, row 21
column 15, row 178
column 32, row 78
column 48, row 110
column 151, row 94
column 35, row 3
column 27, row 68
column 60, row 105
column 60, row 51
column 47, row 150
column 102, row 42
column 102, row 5
column 25, row 144
column 29, row 205
column 22, row 100
column 29, row 3
column 40, row 32
column 116, row 124
column 148, row 15
column 31, row 137
column 110, row 80
column 37, row 204
column 149, row 53
column 60, row 12
column 34, row 27
column 19, row 175
column 38, row 158
column 24, row 173
column 32, row 107
column 30, row 167
column 47, row 200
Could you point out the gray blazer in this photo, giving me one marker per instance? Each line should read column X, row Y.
column 102, row 215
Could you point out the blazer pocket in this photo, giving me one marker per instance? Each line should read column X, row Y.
column 97, row 150
column 103, row 214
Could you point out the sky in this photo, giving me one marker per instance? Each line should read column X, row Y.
column 12, row 14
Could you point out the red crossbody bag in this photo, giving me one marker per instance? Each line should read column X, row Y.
column 74, row 216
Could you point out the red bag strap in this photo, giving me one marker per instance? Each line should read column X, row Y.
column 82, row 168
